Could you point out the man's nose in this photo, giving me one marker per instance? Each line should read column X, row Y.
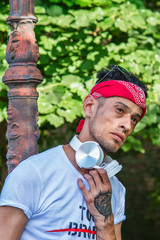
column 126, row 122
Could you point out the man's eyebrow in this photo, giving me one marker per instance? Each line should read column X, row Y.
column 128, row 108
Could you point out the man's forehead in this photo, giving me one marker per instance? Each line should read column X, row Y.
column 128, row 104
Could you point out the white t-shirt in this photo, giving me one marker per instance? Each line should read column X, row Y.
column 45, row 187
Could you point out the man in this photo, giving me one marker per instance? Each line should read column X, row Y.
column 49, row 196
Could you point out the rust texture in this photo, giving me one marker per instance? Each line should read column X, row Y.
column 22, row 78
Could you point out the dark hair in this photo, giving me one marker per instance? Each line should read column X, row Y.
column 115, row 72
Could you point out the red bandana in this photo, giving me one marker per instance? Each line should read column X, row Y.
column 113, row 88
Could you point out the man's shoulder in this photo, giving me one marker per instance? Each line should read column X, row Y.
column 45, row 155
column 40, row 161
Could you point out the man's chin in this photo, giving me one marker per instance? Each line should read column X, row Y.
column 112, row 148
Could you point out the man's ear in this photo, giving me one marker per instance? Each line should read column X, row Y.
column 89, row 105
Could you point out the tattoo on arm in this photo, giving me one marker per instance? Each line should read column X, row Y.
column 103, row 204
column 95, row 218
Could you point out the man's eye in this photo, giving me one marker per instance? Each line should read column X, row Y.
column 134, row 120
column 120, row 110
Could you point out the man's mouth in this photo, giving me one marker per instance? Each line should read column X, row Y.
column 119, row 137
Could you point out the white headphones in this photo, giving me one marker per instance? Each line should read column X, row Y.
column 90, row 155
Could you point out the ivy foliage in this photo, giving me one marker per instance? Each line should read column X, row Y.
column 77, row 38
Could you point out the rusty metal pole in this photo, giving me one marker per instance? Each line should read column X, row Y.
column 22, row 78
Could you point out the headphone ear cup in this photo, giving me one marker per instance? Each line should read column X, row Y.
column 89, row 154
column 101, row 158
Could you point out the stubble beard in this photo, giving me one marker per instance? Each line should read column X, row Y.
column 107, row 147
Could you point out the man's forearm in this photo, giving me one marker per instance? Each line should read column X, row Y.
column 105, row 229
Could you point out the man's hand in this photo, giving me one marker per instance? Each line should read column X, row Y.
column 98, row 200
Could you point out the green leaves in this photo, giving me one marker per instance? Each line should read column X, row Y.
column 62, row 101
column 67, row 80
column 3, row 113
column 133, row 143
column 75, row 44
column 55, row 10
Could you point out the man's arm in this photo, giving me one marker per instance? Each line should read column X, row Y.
column 12, row 223
column 98, row 200
column 117, row 228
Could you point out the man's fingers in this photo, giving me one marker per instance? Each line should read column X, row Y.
column 101, row 179
column 87, row 194
column 97, row 179
column 103, row 175
column 95, row 182
column 82, row 187
column 91, row 182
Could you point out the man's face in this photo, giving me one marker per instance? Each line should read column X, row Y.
column 111, row 123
